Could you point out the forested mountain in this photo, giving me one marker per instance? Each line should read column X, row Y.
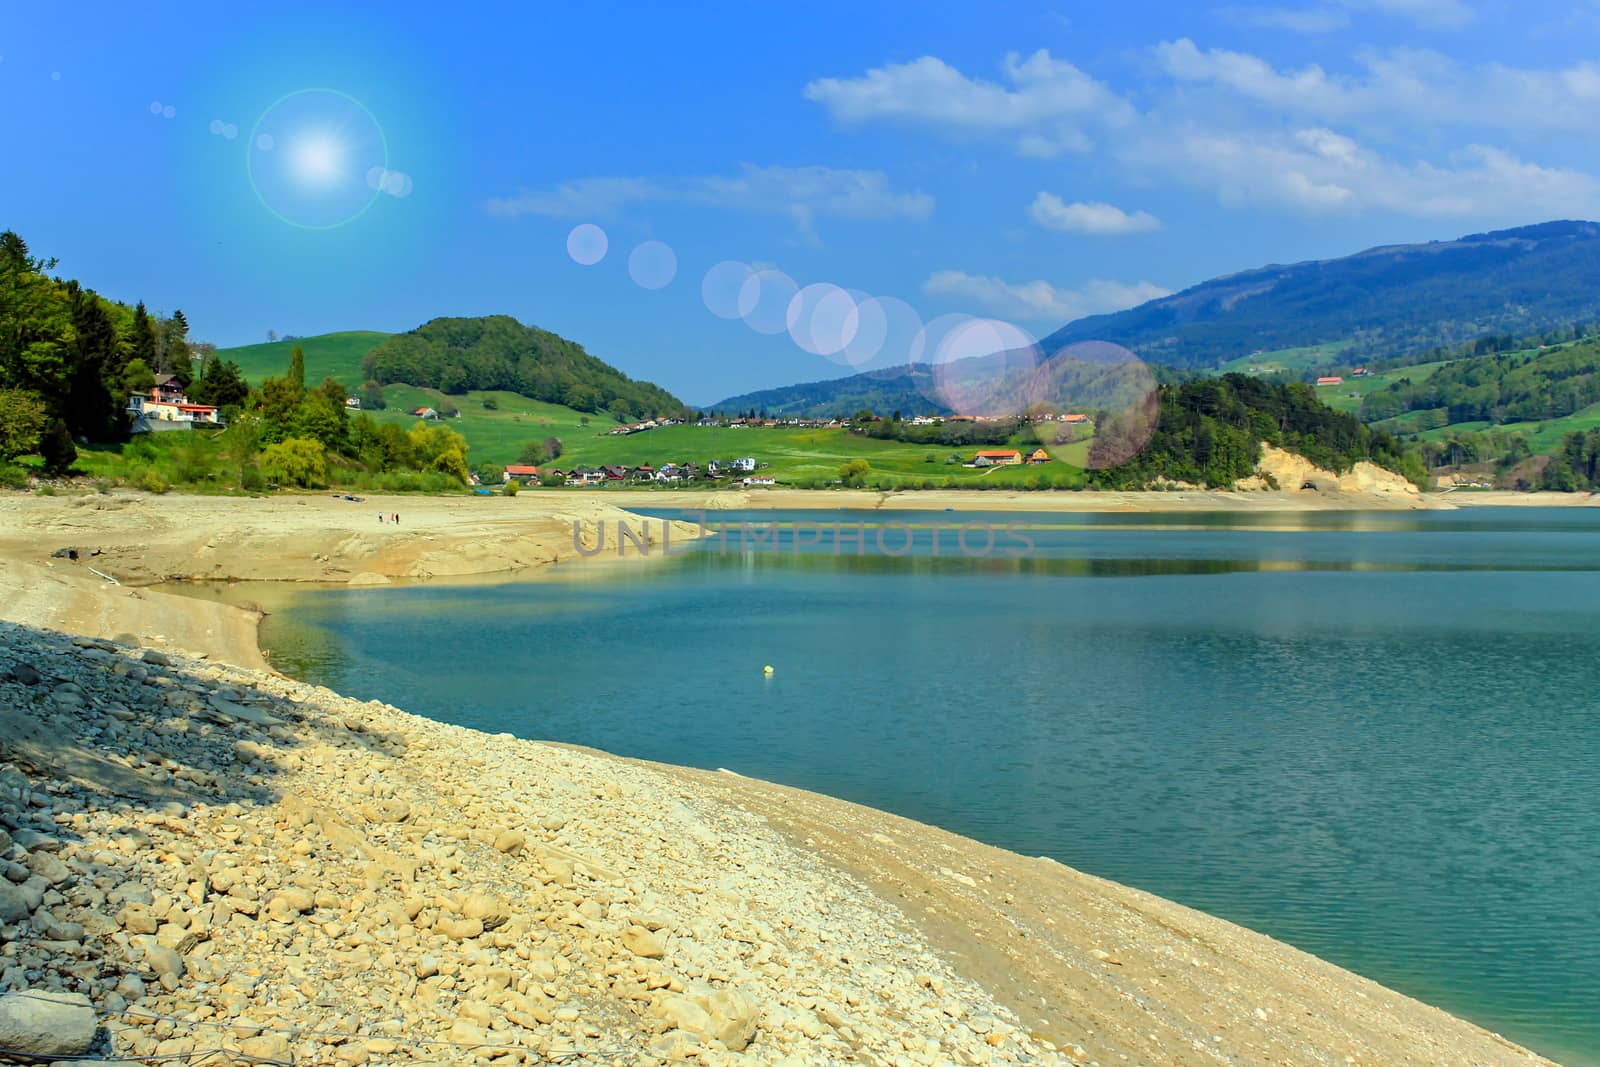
column 1516, row 387
column 1386, row 301
column 1210, row 432
column 498, row 352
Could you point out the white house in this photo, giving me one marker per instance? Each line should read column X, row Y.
column 166, row 408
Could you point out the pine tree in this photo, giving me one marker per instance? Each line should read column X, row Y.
column 142, row 341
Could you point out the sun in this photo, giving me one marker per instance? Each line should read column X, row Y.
column 318, row 159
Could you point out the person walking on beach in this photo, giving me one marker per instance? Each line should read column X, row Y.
column 380, row 518
column 397, row 518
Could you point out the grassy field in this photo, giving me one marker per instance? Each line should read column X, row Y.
column 1287, row 360
column 793, row 454
column 1543, row 437
column 1348, row 397
column 329, row 355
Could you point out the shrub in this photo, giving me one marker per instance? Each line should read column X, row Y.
column 298, row 461
column 150, row 481
column 13, row 477
column 511, row 488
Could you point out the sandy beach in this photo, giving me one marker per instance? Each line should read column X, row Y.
column 214, row 843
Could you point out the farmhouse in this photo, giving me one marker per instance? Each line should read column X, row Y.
column 1333, row 379
column 1038, row 456
column 997, row 457
column 425, row 413
column 353, row 403
column 521, row 470
column 166, row 408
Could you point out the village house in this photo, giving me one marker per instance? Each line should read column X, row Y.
column 425, row 413
column 997, row 457
column 167, row 408
column 353, row 403
column 522, row 471
column 1038, row 456
column 1332, row 379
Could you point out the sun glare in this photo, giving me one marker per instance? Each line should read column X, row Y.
column 317, row 159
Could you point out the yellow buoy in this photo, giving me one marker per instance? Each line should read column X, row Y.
column 767, row 669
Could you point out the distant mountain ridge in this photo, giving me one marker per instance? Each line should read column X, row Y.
column 1387, row 301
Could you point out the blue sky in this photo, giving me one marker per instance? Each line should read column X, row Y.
column 1032, row 165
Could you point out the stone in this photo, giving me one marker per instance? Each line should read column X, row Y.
column 510, row 840
column 48, row 867
column 681, row 1013
column 164, row 960
column 269, row 1047
column 46, row 1025
column 137, row 919
column 641, row 942
column 485, row 909
column 156, row 659
column 733, row 1015
column 13, row 903
column 458, row 929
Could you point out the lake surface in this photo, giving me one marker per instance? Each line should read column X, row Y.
column 1373, row 735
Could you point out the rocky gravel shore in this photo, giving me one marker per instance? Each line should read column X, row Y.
column 207, row 864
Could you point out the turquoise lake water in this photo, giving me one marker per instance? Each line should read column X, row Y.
column 1373, row 735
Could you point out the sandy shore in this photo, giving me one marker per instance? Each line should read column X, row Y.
column 836, row 932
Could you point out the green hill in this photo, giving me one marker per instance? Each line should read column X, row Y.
column 329, row 355
column 456, row 356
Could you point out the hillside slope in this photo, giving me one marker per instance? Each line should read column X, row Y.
column 1387, row 301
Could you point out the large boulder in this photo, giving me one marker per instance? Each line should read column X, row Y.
column 46, row 1025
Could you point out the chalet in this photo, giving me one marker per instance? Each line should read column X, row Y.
column 1332, row 379
column 166, row 408
column 353, row 403
column 1038, row 456
column 997, row 457
column 522, row 470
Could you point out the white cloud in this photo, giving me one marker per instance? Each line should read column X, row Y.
column 1293, row 19
column 1051, row 212
column 1399, row 85
column 1047, row 104
column 1319, row 171
column 802, row 193
column 1038, row 300
column 1335, row 15
column 1441, row 14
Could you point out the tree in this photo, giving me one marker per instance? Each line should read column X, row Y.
column 854, row 473
column 239, row 444
column 22, row 422
column 221, row 385
column 56, row 447
column 297, row 367
column 864, row 415
column 142, row 338
column 137, row 377
column 533, row 454
column 371, row 396
column 272, row 335
column 296, row 461
column 552, row 448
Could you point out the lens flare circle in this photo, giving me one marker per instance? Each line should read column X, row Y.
column 720, row 288
column 652, row 265
column 764, row 301
column 587, row 244
column 1096, row 404
column 313, row 150
column 984, row 368
column 822, row 319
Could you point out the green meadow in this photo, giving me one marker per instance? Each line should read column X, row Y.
column 329, row 355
